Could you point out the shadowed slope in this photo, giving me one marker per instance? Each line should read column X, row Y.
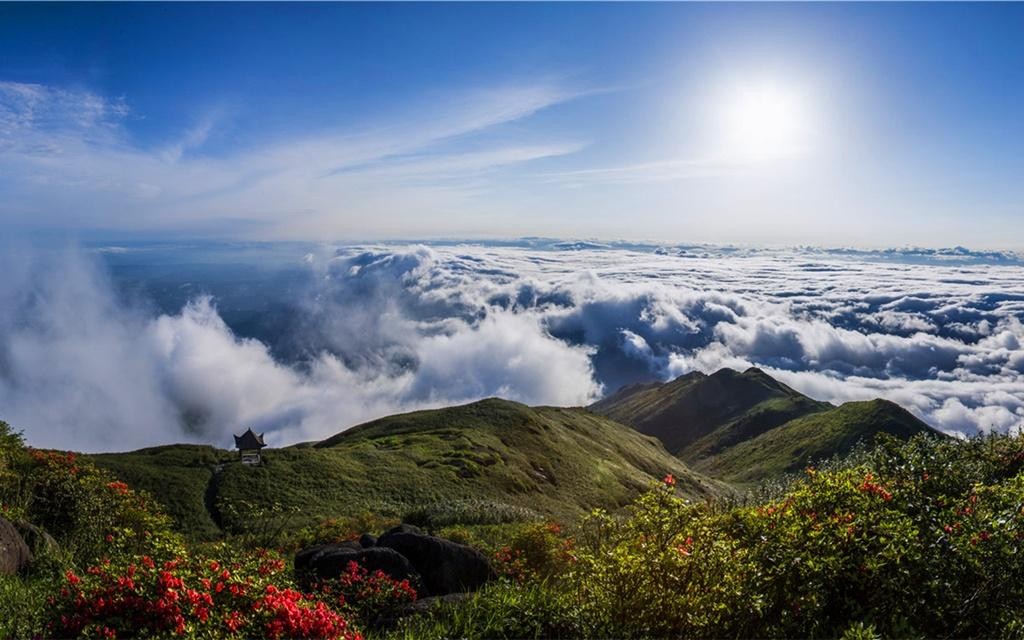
column 803, row 441
column 688, row 411
column 745, row 427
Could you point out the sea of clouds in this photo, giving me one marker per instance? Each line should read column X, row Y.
column 383, row 329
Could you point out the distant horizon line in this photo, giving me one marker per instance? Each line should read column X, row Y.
column 585, row 243
column 527, row 241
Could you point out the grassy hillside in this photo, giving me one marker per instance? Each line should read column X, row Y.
column 491, row 460
column 179, row 475
column 746, row 427
column 697, row 412
column 795, row 444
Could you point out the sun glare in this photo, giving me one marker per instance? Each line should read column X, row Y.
column 765, row 122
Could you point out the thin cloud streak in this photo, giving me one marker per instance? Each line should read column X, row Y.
column 67, row 157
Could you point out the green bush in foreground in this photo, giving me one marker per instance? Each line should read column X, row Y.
column 916, row 539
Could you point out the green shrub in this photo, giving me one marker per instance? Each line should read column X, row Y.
column 500, row 610
column 23, row 605
column 922, row 538
column 666, row 570
column 91, row 514
column 13, row 494
column 332, row 530
column 537, row 551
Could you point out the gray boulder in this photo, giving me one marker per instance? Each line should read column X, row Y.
column 328, row 561
column 402, row 528
column 15, row 556
column 38, row 541
column 445, row 566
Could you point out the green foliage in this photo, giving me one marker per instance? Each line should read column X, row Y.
column 908, row 539
column 259, row 525
column 500, row 610
column 665, row 570
column 184, row 479
column 13, row 494
column 335, row 530
column 535, row 552
column 91, row 514
column 23, row 605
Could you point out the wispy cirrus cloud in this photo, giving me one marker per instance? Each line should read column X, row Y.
column 68, row 156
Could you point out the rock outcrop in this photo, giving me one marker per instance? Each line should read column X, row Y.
column 15, row 556
column 434, row 566
column 328, row 561
column 445, row 566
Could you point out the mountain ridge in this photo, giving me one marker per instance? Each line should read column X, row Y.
column 743, row 427
column 549, row 461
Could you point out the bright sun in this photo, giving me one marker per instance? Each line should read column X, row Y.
column 765, row 122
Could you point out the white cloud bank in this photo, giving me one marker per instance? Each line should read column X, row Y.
column 388, row 330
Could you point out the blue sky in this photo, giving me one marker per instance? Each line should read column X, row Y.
column 833, row 124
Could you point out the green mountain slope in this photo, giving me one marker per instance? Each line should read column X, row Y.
column 497, row 456
column 697, row 412
column 814, row 437
column 746, row 427
column 180, row 476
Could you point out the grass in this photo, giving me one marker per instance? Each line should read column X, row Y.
column 487, row 462
column 180, row 476
column 22, row 606
column 499, row 610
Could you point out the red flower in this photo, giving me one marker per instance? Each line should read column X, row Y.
column 233, row 621
column 118, row 487
column 669, row 480
column 686, row 547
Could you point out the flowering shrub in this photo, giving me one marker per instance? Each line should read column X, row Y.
column 366, row 594
column 539, row 551
column 665, row 571
column 90, row 512
column 12, row 496
column 919, row 538
column 191, row 596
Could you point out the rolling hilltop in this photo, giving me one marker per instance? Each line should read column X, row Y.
column 746, row 427
column 492, row 460
column 496, row 461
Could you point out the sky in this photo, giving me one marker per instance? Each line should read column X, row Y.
column 771, row 124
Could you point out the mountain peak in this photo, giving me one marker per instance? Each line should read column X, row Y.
column 703, row 419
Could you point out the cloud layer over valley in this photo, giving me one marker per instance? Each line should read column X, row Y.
column 376, row 330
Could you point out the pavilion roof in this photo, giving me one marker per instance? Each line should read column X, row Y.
column 249, row 440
